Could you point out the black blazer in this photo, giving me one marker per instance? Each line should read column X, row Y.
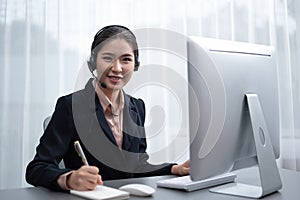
column 79, row 116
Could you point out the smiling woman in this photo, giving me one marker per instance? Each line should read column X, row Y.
column 115, row 65
column 45, row 43
column 107, row 121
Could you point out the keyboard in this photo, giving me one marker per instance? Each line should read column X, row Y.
column 187, row 184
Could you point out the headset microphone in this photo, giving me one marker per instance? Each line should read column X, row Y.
column 103, row 85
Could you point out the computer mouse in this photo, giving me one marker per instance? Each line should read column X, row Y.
column 138, row 189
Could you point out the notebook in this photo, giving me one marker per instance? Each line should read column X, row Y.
column 102, row 192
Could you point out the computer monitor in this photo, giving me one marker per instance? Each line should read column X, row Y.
column 233, row 112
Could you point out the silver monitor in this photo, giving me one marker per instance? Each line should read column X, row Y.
column 233, row 112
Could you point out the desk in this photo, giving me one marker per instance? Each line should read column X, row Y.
column 290, row 190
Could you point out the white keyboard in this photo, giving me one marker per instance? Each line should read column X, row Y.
column 185, row 182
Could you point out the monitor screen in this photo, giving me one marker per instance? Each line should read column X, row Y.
column 220, row 74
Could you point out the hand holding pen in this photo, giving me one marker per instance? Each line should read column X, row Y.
column 80, row 153
column 86, row 177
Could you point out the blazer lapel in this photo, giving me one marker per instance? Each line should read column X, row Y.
column 96, row 108
column 103, row 123
column 130, row 127
column 130, row 118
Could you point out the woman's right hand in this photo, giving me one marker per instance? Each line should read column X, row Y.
column 85, row 178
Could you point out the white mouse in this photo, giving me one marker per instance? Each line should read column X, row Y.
column 138, row 189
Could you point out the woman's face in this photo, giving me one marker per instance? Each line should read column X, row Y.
column 115, row 63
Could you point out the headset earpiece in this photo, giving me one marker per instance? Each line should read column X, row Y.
column 92, row 63
column 136, row 66
column 136, row 57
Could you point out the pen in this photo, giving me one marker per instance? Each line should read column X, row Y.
column 80, row 152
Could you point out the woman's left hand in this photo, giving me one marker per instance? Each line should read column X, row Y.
column 182, row 170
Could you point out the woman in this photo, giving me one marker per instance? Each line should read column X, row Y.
column 108, row 123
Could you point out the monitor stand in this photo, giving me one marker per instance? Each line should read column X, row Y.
column 269, row 175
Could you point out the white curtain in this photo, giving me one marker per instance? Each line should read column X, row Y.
column 287, row 20
column 44, row 45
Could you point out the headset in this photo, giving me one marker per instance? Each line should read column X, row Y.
column 98, row 39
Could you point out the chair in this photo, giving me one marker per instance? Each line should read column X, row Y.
column 46, row 122
column 61, row 165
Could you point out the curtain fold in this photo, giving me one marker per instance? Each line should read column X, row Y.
column 44, row 46
column 288, row 40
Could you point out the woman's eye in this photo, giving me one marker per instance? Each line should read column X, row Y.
column 127, row 59
column 108, row 59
